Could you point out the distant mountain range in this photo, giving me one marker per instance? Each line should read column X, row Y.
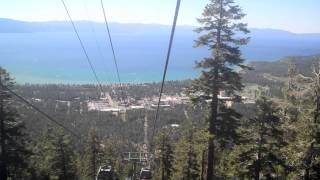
column 140, row 48
column 15, row 26
column 266, row 44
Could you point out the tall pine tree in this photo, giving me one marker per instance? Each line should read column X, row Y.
column 93, row 156
column 301, row 112
column 259, row 154
column 54, row 156
column 188, row 153
column 165, row 155
column 312, row 157
column 220, row 25
column 12, row 136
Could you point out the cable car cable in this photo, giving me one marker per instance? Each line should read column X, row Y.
column 41, row 112
column 93, row 31
column 166, row 64
column 110, row 41
column 83, row 47
column 113, row 50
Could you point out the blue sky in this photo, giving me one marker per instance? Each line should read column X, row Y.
column 301, row 16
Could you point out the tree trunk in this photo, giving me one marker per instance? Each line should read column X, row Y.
column 215, row 101
column 203, row 164
column 189, row 163
column 258, row 167
column 315, row 120
column 307, row 174
column 257, row 171
column 3, row 165
column 210, row 167
column 163, row 159
column 211, row 148
column 64, row 168
column 94, row 165
column 308, row 163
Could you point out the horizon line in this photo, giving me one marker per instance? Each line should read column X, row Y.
column 159, row 24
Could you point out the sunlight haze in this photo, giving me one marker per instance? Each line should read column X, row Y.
column 287, row 15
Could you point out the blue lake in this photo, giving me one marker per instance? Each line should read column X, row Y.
column 52, row 57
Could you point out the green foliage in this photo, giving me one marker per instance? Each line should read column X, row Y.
column 189, row 154
column 287, row 135
column 165, row 155
column 276, row 75
column 300, row 109
column 54, row 156
column 259, row 155
column 226, row 126
column 220, row 22
column 13, row 139
column 312, row 157
column 92, row 156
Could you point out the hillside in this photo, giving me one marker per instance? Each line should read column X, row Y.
column 279, row 68
column 269, row 78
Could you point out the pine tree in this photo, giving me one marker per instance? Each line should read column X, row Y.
column 191, row 169
column 93, row 155
column 301, row 112
column 189, row 153
column 111, row 152
column 64, row 160
column 259, row 155
column 312, row 158
column 165, row 155
column 14, row 153
column 54, row 156
column 220, row 23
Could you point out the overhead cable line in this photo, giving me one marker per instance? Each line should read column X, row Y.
column 113, row 51
column 111, row 43
column 96, row 41
column 83, row 47
column 41, row 112
column 93, row 31
column 166, row 64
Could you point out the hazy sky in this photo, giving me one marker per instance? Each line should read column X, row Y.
column 302, row 16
